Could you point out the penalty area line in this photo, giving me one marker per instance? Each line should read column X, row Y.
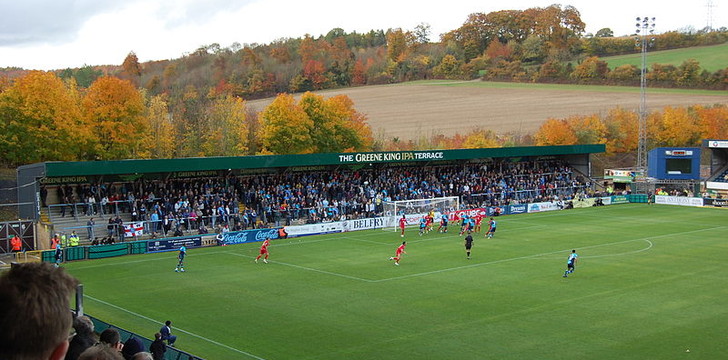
column 177, row 328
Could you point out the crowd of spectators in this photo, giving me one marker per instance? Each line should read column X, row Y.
column 238, row 202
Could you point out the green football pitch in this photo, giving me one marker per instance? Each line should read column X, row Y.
column 650, row 284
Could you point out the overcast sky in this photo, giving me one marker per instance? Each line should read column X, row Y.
column 56, row 34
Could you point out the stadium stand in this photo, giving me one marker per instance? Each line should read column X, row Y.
column 249, row 201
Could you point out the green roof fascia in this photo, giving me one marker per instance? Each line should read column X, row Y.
column 136, row 166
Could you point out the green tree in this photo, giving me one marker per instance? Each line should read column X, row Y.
column 604, row 32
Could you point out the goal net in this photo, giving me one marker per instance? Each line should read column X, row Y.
column 413, row 210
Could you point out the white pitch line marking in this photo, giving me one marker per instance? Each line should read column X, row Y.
column 176, row 328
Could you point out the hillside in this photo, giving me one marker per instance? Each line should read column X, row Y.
column 415, row 109
column 711, row 58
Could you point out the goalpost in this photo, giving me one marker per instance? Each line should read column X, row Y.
column 413, row 210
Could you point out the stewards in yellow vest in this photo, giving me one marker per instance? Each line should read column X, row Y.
column 73, row 239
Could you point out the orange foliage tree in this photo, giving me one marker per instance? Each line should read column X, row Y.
column 115, row 110
column 678, row 128
column 621, row 131
column 713, row 121
column 588, row 129
column 555, row 132
column 480, row 138
column 40, row 121
column 285, row 128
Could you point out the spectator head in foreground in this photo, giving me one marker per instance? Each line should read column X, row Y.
column 35, row 315
column 111, row 338
column 101, row 351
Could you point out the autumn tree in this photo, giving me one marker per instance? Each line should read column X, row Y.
column 449, row 68
column 398, row 42
column 713, row 121
column 343, row 129
column 115, row 111
column 480, row 138
column 285, row 128
column 131, row 68
column 336, row 125
column 162, row 135
column 591, row 69
column 621, row 130
column 226, row 131
column 40, row 121
column 588, row 129
column 678, row 127
column 555, row 132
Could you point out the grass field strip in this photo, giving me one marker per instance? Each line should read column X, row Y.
column 146, row 260
column 536, row 308
column 647, row 239
column 176, row 328
column 542, row 254
column 305, row 268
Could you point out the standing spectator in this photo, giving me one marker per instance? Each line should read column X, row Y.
column 90, row 228
column 102, row 205
column 110, row 228
column 40, row 292
column 119, row 228
column 155, row 222
column 84, row 338
column 158, row 348
column 166, row 332
column 91, row 209
column 166, row 224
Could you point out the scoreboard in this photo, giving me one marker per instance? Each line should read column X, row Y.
column 674, row 163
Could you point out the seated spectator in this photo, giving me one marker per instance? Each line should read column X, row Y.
column 84, row 338
column 202, row 230
column 132, row 346
column 158, row 348
column 111, row 338
column 37, row 291
column 101, row 352
column 142, row 356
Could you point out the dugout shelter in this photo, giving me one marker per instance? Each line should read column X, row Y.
column 717, row 182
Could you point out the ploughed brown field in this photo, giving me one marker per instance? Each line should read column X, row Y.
column 412, row 110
